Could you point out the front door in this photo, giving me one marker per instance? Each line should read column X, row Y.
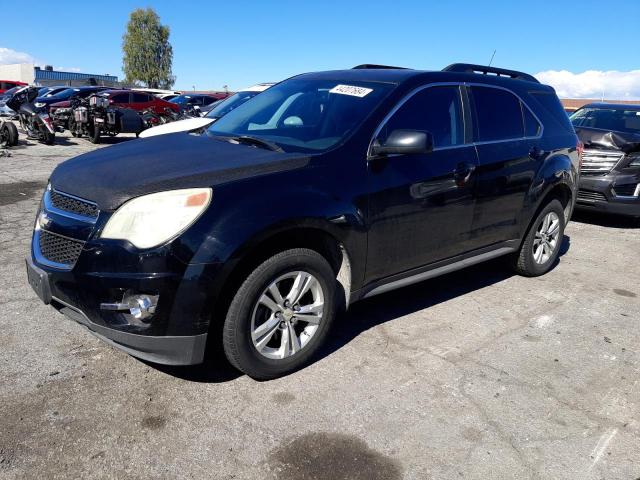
column 421, row 206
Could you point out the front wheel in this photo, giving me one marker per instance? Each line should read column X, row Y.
column 94, row 134
column 9, row 135
column 541, row 246
column 47, row 136
column 281, row 314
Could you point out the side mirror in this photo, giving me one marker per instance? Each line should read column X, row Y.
column 404, row 142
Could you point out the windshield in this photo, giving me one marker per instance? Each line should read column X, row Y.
column 302, row 115
column 10, row 92
column 225, row 106
column 612, row 119
column 181, row 99
column 66, row 93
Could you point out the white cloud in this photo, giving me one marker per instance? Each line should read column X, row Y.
column 8, row 56
column 613, row 84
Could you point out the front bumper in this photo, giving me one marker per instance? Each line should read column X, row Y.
column 615, row 193
column 164, row 349
column 96, row 282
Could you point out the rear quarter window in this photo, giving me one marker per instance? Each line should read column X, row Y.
column 550, row 105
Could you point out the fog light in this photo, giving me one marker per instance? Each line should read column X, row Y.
column 140, row 306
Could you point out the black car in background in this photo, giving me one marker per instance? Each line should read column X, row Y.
column 193, row 99
column 610, row 173
column 325, row 189
column 66, row 94
column 50, row 91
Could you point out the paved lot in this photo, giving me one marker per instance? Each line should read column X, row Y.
column 477, row 375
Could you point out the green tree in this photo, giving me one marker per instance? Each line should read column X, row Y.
column 147, row 53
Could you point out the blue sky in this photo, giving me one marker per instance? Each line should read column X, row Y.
column 241, row 43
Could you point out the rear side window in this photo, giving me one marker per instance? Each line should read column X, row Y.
column 121, row 98
column 532, row 127
column 498, row 114
column 551, row 105
column 436, row 110
column 140, row 97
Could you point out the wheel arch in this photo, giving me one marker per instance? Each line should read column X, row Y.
column 263, row 246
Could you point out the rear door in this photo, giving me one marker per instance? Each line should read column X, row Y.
column 507, row 136
column 421, row 206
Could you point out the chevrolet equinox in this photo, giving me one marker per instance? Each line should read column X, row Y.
column 325, row 189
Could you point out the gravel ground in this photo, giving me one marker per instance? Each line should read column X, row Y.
column 477, row 375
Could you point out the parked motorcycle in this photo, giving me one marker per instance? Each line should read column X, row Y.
column 8, row 134
column 35, row 121
column 93, row 117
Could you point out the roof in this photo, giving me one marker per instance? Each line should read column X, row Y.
column 614, row 106
column 575, row 103
column 401, row 75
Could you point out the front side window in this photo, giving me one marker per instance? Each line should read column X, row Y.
column 498, row 114
column 304, row 115
column 610, row 119
column 436, row 110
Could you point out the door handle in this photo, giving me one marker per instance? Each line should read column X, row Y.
column 462, row 173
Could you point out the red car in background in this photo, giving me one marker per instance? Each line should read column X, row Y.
column 7, row 84
column 137, row 101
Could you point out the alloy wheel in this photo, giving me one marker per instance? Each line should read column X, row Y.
column 545, row 241
column 287, row 315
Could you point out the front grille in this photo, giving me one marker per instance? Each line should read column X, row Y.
column 587, row 196
column 599, row 162
column 75, row 205
column 627, row 190
column 59, row 249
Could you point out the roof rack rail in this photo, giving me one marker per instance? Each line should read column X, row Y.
column 485, row 70
column 373, row 65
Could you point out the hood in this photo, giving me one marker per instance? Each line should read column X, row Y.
column 110, row 176
column 605, row 140
column 185, row 125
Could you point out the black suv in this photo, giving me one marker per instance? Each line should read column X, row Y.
column 610, row 174
column 325, row 189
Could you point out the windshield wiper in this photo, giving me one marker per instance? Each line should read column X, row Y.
column 258, row 142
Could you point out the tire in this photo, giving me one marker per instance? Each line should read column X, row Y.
column 9, row 135
column 541, row 245
column 47, row 136
column 71, row 125
column 94, row 134
column 252, row 350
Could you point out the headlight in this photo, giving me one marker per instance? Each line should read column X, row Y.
column 153, row 219
column 39, row 104
column 634, row 159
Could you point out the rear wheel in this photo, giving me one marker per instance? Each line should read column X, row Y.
column 281, row 314
column 541, row 246
column 8, row 135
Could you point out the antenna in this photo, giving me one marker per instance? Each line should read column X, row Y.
column 493, row 55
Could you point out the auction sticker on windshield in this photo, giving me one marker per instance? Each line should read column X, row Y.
column 351, row 90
